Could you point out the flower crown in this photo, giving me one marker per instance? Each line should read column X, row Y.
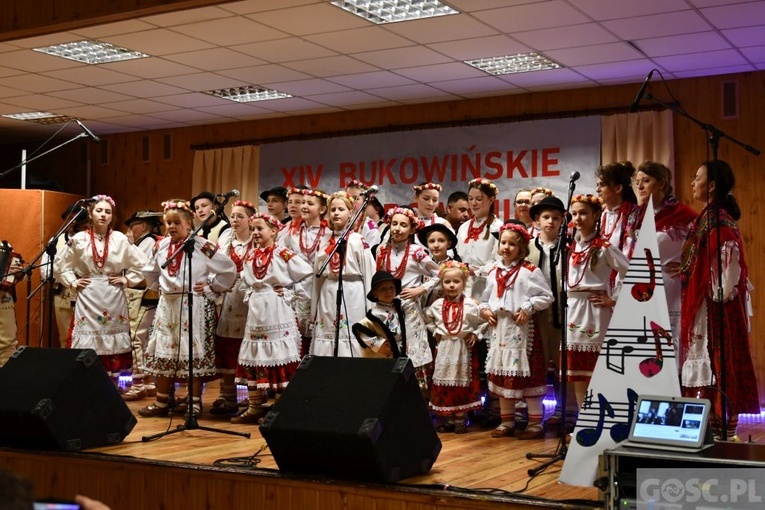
column 245, row 203
column 453, row 264
column 518, row 229
column 273, row 222
column 104, row 198
column 428, row 185
column 170, row 205
column 354, row 183
column 484, row 183
column 310, row 193
column 547, row 191
column 416, row 223
column 587, row 199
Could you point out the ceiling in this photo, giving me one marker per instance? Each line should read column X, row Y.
column 331, row 60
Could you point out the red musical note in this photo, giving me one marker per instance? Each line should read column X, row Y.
column 643, row 291
column 649, row 367
column 621, row 431
column 589, row 436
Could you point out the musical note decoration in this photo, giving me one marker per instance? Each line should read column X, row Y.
column 628, row 365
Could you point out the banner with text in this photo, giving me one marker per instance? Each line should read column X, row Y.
column 514, row 155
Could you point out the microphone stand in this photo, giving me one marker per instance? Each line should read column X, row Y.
column 561, row 253
column 713, row 136
column 191, row 421
column 33, row 158
column 340, row 249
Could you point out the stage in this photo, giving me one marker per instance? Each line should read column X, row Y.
column 198, row 469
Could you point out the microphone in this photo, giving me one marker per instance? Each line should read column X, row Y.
column 87, row 131
column 370, row 190
column 574, row 176
column 229, row 194
column 641, row 93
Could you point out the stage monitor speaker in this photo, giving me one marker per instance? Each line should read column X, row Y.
column 352, row 418
column 60, row 399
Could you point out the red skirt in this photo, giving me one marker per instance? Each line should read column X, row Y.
column 448, row 400
column 580, row 365
column 117, row 363
column 227, row 354
column 274, row 378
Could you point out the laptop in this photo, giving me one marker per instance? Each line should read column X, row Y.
column 671, row 423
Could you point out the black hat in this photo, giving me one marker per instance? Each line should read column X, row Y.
column 205, row 194
column 82, row 214
column 378, row 278
column 423, row 234
column 551, row 202
column 150, row 217
column 279, row 191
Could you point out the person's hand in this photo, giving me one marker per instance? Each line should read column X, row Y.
column 412, row 292
column 489, row 316
column 471, row 340
column 199, row 287
column 672, row 268
column 81, row 283
column 521, row 317
column 89, row 504
column 437, row 337
column 279, row 290
column 601, row 299
column 120, row 281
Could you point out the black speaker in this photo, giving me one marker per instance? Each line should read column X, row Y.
column 352, row 418
column 60, row 399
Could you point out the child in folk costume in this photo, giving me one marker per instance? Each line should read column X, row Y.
column 476, row 246
column 537, row 195
column 305, row 241
column 270, row 350
column 440, row 240
column 98, row 264
column 410, row 263
column 358, row 267
column 294, row 204
column 382, row 333
column 426, row 197
column 364, row 225
column 590, row 296
column 236, row 243
column 167, row 354
column 454, row 321
column 515, row 364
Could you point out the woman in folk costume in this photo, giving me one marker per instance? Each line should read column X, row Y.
column 305, row 241
column 590, row 296
column 236, row 243
column 409, row 262
column 358, row 267
column 98, row 264
column 426, row 196
column 270, row 350
column 213, row 272
column 614, row 188
column 706, row 314
column 673, row 218
column 515, row 364
column 454, row 320
column 476, row 245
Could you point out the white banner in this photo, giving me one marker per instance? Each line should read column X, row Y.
column 514, row 155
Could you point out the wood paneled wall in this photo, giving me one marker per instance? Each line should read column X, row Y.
column 119, row 168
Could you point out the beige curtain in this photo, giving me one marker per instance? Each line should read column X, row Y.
column 221, row 170
column 638, row 137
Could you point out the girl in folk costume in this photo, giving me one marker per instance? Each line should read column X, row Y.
column 167, row 354
column 701, row 346
column 98, row 264
column 236, row 243
column 476, row 246
column 270, row 351
column 358, row 267
column 426, row 197
column 590, row 297
column 537, row 195
column 305, row 242
column 364, row 225
column 673, row 219
column 515, row 364
column 294, row 205
column 454, row 321
column 410, row 263
column 440, row 241
column 614, row 188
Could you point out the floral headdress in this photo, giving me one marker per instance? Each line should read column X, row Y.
column 273, row 222
column 547, row 191
column 176, row 205
column 588, row 199
column 484, row 185
column 104, row 198
column 518, row 229
column 311, row 193
column 419, row 188
column 453, row 264
column 416, row 223
column 354, row 183
column 245, row 203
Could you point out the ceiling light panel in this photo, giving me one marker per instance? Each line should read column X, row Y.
column 392, row 11
column 509, row 64
column 248, row 94
column 91, row 52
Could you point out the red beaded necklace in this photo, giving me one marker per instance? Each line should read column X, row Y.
column 582, row 258
column 474, row 232
column 236, row 259
column 308, row 250
column 620, row 216
column 99, row 259
column 175, row 263
column 261, row 259
column 401, row 269
column 503, row 278
column 453, row 314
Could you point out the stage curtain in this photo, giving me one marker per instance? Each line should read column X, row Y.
column 638, row 137
column 221, row 170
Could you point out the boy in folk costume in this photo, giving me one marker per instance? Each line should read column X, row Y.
column 270, row 350
column 382, row 333
column 537, row 195
column 454, row 320
column 515, row 364
column 203, row 206
column 440, row 240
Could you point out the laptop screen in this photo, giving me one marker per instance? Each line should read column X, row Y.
column 674, row 421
